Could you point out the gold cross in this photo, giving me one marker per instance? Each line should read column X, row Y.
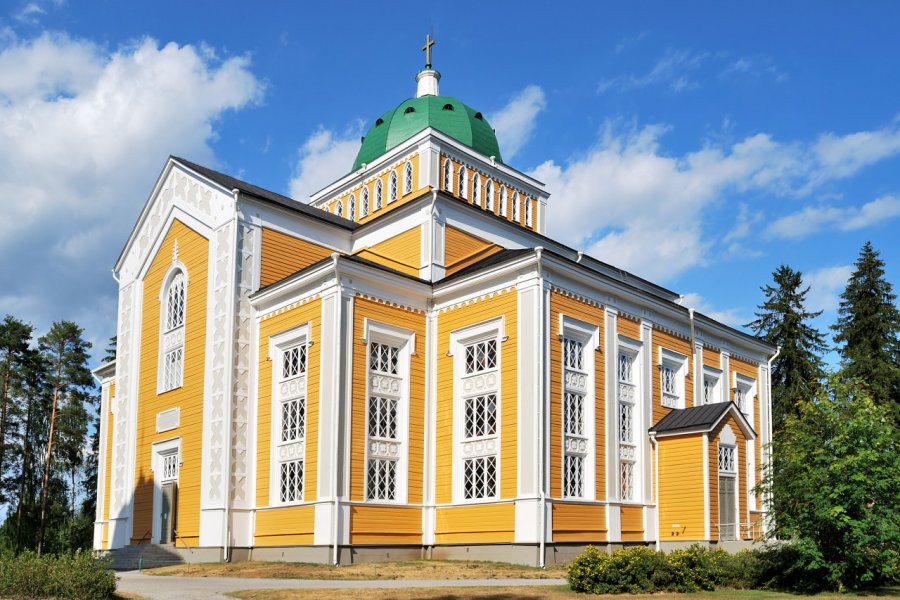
column 427, row 48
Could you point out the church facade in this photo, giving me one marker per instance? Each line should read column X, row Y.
column 407, row 366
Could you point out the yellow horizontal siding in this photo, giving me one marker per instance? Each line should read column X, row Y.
column 385, row 525
column 401, row 252
column 289, row 526
column 487, row 523
column 681, row 488
column 282, row 255
column 579, row 522
column 632, row 523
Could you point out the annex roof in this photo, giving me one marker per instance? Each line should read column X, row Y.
column 700, row 419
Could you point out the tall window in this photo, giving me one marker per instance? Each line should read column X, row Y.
column 476, row 190
column 672, row 369
column 627, row 393
column 407, row 178
column 378, row 194
column 728, row 503
column 448, row 176
column 339, row 211
column 489, row 195
column 528, row 210
column 386, row 410
column 576, row 409
column 352, row 207
column 364, row 203
column 712, row 386
column 172, row 335
column 463, row 183
column 392, row 186
column 290, row 359
column 515, row 207
column 502, row 201
column 743, row 395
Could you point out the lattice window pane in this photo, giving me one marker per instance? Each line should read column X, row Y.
column 728, row 459
column 384, row 358
column 381, row 479
column 573, row 414
column 502, row 201
column 379, row 188
column 476, row 190
column 573, row 476
column 352, row 208
column 448, row 176
column 626, row 476
column 481, row 356
column 291, row 481
column 573, row 354
column 392, row 187
column 515, row 206
column 463, row 181
column 739, row 398
column 481, row 416
column 170, row 467
column 364, row 200
column 626, row 367
column 173, row 369
column 175, row 303
column 489, row 195
column 293, row 361
column 480, row 477
column 383, row 417
column 528, row 210
column 626, row 424
column 293, row 420
column 408, row 178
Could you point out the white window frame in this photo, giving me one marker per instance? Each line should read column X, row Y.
column 714, row 375
column 515, row 207
column 467, row 386
column 171, row 340
column 746, row 386
column 284, row 452
column 339, row 209
column 463, row 182
column 398, row 449
column 351, row 207
column 629, row 452
column 448, row 176
column 476, row 190
column 528, row 212
column 364, row 202
column 393, row 186
column 489, row 195
column 379, row 195
column 678, row 363
column 581, row 382
column 407, row 178
column 503, row 201
column 159, row 452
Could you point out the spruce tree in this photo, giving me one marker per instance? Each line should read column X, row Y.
column 868, row 331
column 784, row 321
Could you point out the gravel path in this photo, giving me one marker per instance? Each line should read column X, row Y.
column 158, row 587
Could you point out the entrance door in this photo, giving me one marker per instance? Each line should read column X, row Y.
column 727, row 508
column 167, row 513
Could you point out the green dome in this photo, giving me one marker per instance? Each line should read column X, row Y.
column 443, row 113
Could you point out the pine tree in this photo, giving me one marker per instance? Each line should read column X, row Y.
column 15, row 338
column 784, row 321
column 868, row 331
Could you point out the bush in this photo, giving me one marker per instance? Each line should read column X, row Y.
column 77, row 576
column 632, row 570
column 697, row 568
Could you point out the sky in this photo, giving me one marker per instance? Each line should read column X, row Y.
column 697, row 144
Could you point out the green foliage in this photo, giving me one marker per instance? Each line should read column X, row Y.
column 784, row 321
column 836, row 477
column 868, row 331
column 75, row 575
column 697, row 568
column 632, row 570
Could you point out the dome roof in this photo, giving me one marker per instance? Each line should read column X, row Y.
column 443, row 113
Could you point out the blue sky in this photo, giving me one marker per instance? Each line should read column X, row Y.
column 698, row 144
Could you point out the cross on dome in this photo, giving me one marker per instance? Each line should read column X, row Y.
column 427, row 49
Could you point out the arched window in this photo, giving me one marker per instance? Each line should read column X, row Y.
column 407, row 178
column 502, row 201
column 364, row 203
column 463, row 183
column 392, row 187
column 489, row 195
column 476, row 190
column 378, row 194
column 171, row 339
column 448, row 176
column 339, row 209
column 352, row 207
column 528, row 210
column 515, row 207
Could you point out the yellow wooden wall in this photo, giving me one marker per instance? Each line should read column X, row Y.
column 110, row 422
column 479, row 524
column 402, row 252
column 565, row 305
column 629, row 327
column 578, row 522
column 283, row 255
column 384, row 177
column 193, row 251
column 744, row 514
column 398, row 523
column 681, row 488
column 678, row 344
column 712, row 358
column 632, row 523
column 287, row 525
column 461, row 249
column 751, row 371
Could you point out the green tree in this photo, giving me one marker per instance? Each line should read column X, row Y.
column 838, row 486
column 868, row 331
column 15, row 340
column 784, row 321
column 66, row 354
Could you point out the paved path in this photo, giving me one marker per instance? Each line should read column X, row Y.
column 159, row 587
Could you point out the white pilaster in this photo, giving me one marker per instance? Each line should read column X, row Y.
column 429, row 476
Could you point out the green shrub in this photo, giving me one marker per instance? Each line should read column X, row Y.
column 742, row 570
column 76, row 576
column 632, row 570
column 697, row 568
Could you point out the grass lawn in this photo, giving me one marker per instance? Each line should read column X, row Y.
column 413, row 569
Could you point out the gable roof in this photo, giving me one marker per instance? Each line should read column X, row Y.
column 701, row 419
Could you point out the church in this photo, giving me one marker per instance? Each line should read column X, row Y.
column 405, row 366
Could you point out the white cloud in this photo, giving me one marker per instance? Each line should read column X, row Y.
column 825, row 287
column 813, row 219
column 673, row 70
column 630, row 204
column 84, row 131
column 627, row 42
column 514, row 123
column 30, row 13
column 323, row 158
column 730, row 316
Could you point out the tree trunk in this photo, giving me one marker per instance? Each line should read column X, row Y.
column 45, row 486
column 3, row 402
column 72, row 520
column 26, row 455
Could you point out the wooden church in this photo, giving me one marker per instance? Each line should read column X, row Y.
column 406, row 366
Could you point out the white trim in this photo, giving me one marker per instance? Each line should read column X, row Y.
column 589, row 337
column 679, row 364
column 158, row 451
column 706, row 486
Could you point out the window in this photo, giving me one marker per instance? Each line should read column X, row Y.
column 502, row 201
column 290, row 357
column 477, row 411
column 352, row 207
column 169, row 466
column 364, row 202
column 712, row 388
column 386, row 410
column 727, row 459
column 515, row 207
column 407, row 179
column 627, row 480
column 378, row 194
column 448, row 176
column 463, row 183
column 672, row 370
column 339, row 211
column 528, row 212
column 392, row 187
column 628, row 418
column 476, row 190
column 489, row 195
column 171, row 365
column 578, row 450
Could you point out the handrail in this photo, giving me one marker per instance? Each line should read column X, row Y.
column 741, row 531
